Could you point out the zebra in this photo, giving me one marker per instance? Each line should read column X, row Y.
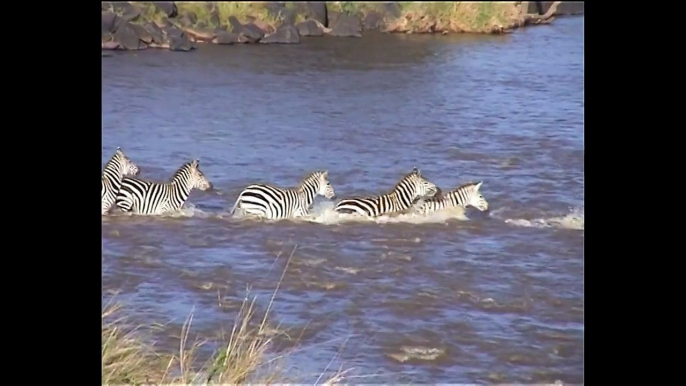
column 275, row 203
column 405, row 193
column 143, row 197
column 115, row 169
column 463, row 196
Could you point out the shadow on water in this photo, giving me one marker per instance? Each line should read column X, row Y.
column 470, row 297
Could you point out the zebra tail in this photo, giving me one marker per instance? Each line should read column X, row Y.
column 235, row 205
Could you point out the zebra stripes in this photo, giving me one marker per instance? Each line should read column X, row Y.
column 465, row 195
column 115, row 169
column 151, row 198
column 406, row 192
column 271, row 202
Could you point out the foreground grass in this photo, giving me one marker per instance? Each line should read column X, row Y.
column 130, row 357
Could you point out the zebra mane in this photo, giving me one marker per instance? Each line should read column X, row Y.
column 185, row 167
column 314, row 175
column 466, row 185
column 414, row 172
column 117, row 153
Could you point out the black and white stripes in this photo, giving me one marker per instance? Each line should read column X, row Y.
column 465, row 195
column 115, row 169
column 406, row 192
column 272, row 202
column 151, row 198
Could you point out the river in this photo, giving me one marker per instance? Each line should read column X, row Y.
column 490, row 297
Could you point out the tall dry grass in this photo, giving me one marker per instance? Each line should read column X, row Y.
column 129, row 355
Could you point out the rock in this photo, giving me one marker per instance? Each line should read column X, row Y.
column 264, row 26
column 236, row 25
column 188, row 19
column 129, row 12
column 284, row 35
column 109, row 22
column 155, row 32
column 142, row 33
column 224, row 37
column 373, row 20
column 180, row 42
column 315, row 10
column 110, row 46
column 252, row 33
column 309, row 28
column 168, row 7
column 127, row 37
column 200, row 34
column 172, row 32
column 288, row 16
column 391, row 9
column 346, row 26
column 221, row 28
column 214, row 19
column 106, row 6
column 164, row 23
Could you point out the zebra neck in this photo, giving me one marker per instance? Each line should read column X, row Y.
column 113, row 173
column 183, row 189
column 403, row 201
column 307, row 194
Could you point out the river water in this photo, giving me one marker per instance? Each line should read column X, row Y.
column 463, row 297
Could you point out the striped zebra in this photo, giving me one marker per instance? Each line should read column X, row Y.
column 463, row 196
column 115, row 169
column 274, row 203
column 143, row 197
column 406, row 192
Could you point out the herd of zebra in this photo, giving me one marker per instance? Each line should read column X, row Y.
column 123, row 189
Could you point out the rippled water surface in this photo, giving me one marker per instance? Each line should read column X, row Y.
column 479, row 297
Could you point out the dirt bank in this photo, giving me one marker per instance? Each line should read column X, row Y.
column 181, row 26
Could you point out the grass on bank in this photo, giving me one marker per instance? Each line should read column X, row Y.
column 130, row 357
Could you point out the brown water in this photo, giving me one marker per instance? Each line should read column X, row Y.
column 488, row 297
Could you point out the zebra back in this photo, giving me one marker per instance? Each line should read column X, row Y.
column 403, row 195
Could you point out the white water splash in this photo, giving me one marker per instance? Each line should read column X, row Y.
column 323, row 213
column 573, row 220
column 188, row 210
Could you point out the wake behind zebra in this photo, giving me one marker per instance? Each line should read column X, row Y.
column 145, row 197
column 115, row 169
column 275, row 203
column 406, row 192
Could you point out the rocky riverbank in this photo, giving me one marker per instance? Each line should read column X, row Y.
column 181, row 26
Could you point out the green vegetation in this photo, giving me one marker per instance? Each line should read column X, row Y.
column 129, row 357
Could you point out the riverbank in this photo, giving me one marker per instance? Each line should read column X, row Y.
column 243, row 355
column 180, row 26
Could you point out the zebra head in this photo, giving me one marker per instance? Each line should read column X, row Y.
column 198, row 177
column 324, row 186
column 128, row 168
column 422, row 186
column 475, row 198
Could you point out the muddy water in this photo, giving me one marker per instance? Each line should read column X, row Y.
column 460, row 297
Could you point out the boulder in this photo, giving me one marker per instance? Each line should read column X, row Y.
column 129, row 12
column 391, row 9
column 127, row 37
column 200, row 34
column 252, row 33
column 214, row 19
column 224, row 37
column 109, row 22
column 221, row 28
column 373, row 20
column 167, row 7
column 314, row 10
column 180, row 42
column 346, row 26
column 188, row 19
column 142, row 33
column 110, row 46
column 309, row 28
column 155, row 32
column 235, row 25
column 285, row 35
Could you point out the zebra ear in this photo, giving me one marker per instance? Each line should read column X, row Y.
column 325, row 174
column 195, row 163
column 478, row 185
column 416, row 171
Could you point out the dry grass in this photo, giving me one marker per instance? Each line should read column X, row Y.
column 461, row 16
column 129, row 357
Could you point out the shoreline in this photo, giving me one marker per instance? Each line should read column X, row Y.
column 178, row 26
